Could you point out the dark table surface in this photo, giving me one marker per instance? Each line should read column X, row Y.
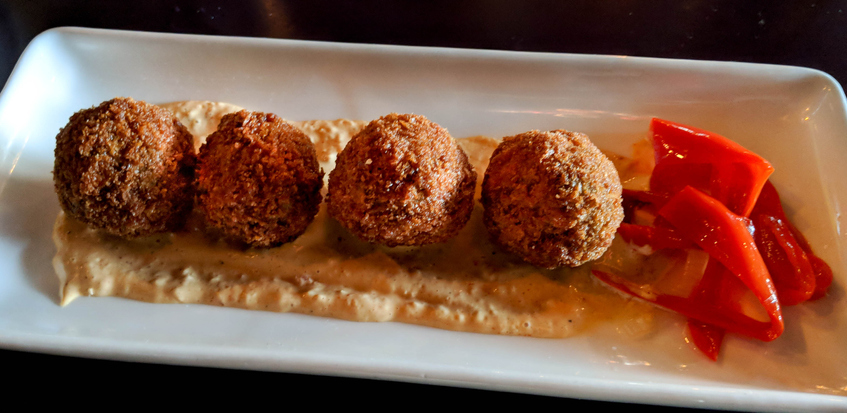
column 810, row 33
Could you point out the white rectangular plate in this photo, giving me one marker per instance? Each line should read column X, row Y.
column 792, row 116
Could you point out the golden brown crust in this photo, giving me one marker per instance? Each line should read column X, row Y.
column 552, row 197
column 402, row 180
column 258, row 179
column 126, row 167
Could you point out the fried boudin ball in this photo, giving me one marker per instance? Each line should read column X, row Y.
column 402, row 180
column 258, row 179
column 552, row 198
column 126, row 167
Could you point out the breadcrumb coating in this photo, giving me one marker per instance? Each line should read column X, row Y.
column 126, row 167
column 402, row 180
column 258, row 179
column 552, row 198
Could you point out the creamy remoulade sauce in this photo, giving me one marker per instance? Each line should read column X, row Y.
column 466, row 284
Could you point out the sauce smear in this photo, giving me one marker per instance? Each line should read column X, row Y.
column 465, row 284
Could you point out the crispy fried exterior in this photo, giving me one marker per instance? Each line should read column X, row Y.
column 403, row 180
column 126, row 167
column 258, row 179
column 552, row 198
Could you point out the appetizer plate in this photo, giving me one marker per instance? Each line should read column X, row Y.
column 794, row 117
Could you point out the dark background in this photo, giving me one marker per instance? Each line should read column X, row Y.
column 811, row 33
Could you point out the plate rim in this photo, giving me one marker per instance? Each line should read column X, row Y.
column 28, row 343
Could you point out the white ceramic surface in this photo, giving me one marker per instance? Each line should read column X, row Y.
column 794, row 117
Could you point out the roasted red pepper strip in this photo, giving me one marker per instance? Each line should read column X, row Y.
column 707, row 337
column 725, row 236
column 735, row 268
column 731, row 182
column 823, row 276
column 823, row 273
column 687, row 156
column 790, row 269
column 798, row 274
column 707, row 312
column 645, row 197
